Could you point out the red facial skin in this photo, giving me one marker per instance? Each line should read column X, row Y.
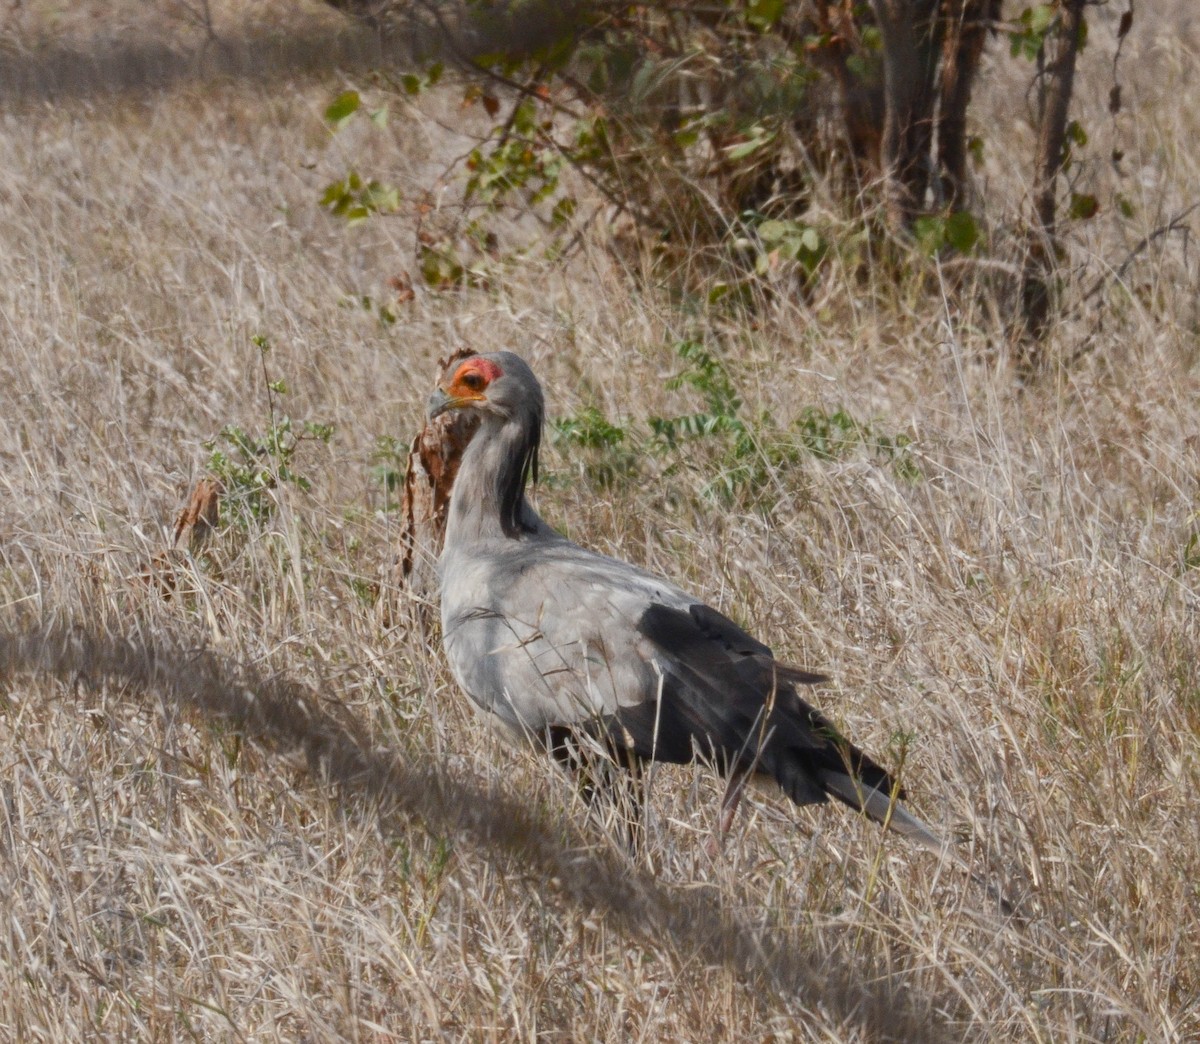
column 472, row 377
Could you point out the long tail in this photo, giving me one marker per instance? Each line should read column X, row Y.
column 881, row 807
column 885, row 809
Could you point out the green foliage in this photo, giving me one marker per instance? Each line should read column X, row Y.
column 382, row 310
column 753, row 454
column 518, row 158
column 709, row 129
column 785, row 240
column 975, row 147
column 352, row 197
column 663, row 125
column 251, row 467
column 763, row 14
column 707, row 375
column 355, row 200
column 740, row 465
column 754, row 137
column 389, row 462
column 1191, row 553
column 1083, row 206
column 1028, row 35
column 957, row 230
column 1074, row 137
column 1032, row 27
column 517, row 167
column 442, row 263
column 602, row 446
column 342, row 108
column 828, row 436
column 416, row 83
column 588, row 429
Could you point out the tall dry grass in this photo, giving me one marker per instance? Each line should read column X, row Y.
column 261, row 810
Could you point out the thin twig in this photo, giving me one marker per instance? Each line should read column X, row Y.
column 1174, row 225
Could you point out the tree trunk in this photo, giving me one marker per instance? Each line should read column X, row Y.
column 1060, row 49
column 967, row 25
column 860, row 96
column 911, row 31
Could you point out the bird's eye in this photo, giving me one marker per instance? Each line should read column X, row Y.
column 473, row 380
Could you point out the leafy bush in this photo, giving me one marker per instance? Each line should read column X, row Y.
column 251, row 467
column 751, row 454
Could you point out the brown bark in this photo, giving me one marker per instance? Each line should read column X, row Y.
column 912, row 32
column 861, row 100
column 196, row 522
column 1060, row 50
column 433, row 461
column 967, row 23
column 200, row 516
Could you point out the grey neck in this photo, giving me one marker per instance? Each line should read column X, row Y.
column 489, row 502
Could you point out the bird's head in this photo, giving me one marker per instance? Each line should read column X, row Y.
column 503, row 392
column 501, row 384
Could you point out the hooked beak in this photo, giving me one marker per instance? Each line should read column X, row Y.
column 439, row 402
column 442, row 401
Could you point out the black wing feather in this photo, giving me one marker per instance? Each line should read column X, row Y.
column 725, row 697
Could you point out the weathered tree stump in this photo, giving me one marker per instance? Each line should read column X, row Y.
column 433, row 462
column 200, row 516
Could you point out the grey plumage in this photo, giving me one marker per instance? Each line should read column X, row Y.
column 547, row 637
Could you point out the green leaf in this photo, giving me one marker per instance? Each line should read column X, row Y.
column 717, row 291
column 319, row 431
column 1040, row 18
column 686, row 137
column 760, row 138
column 342, row 108
column 524, row 117
column 563, row 210
column 930, row 232
column 588, row 428
column 377, row 196
column 1191, row 554
column 772, row 230
column 763, row 14
column 1084, row 206
column 1035, row 23
column 334, row 194
column 961, row 232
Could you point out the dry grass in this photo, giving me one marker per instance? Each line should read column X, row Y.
column 178, row 860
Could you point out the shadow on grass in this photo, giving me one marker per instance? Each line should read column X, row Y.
column 115, row 66
column 433, row 30
column 686, row 926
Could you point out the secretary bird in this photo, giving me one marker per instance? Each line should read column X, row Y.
column 555, row 643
